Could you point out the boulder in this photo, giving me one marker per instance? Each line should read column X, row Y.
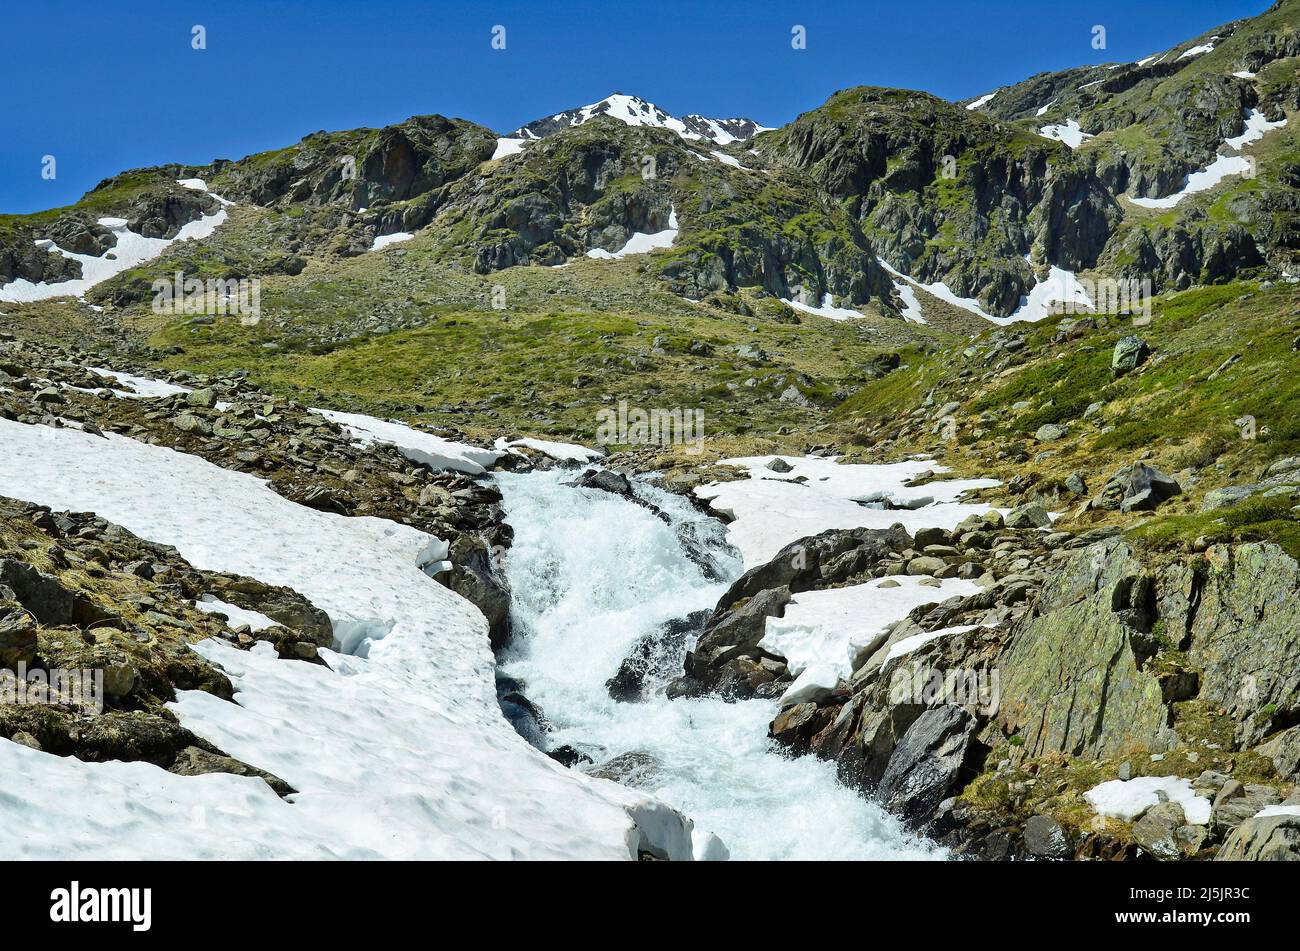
column 1029, row 515
column 1274, row 838
column 1045, row 838
column 1157, row 830
column 1235, row 803
column 17, row 634
column 927, row 765
column 1228, row 496
column 1050, row 432
column 926, row 565
column 1137, row 487
column 1130, row 353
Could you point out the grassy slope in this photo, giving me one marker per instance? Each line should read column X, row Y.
column 401, row 332
column 1170, row 412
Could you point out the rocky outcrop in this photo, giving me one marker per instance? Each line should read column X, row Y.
column 727, row 656
column 1086, row 696
column 1264, row 839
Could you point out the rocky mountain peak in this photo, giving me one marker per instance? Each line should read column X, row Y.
column 638, row 112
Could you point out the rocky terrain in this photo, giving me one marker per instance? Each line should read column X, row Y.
column 1123, row 684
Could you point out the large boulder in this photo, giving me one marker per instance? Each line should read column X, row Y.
column 17, row 634
column 1137, row 487
column 928, row 764
column 1130, row 353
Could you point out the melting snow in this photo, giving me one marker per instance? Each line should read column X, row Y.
column 130, row 251
column 235, row 615
column 141, row 387
column 770, row 510
column 384, row 240
column 561, row 451
column 982, row 100
column 827, row 309
column 1128, row 799
column 508, row 146
column 1069, row 133
column 908, row 644
column 416, row 445
column 822, row 631
column 1256, row 125
column 1196, row 50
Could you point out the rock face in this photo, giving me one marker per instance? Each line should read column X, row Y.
column 1087, row 696
column 1245, row 635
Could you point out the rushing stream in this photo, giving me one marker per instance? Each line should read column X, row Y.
column 592, row 574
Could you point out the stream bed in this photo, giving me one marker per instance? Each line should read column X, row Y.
column 593, row 574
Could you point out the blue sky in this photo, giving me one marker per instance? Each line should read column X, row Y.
column 106, row 85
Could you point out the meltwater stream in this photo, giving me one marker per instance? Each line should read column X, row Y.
column 591, row 575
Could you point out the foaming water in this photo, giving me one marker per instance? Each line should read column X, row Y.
column 592, row 574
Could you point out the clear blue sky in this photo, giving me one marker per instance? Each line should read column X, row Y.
column 106, row 85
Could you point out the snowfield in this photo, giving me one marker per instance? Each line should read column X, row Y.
column 416, row 445
column 397, row 749
column 1255, row 126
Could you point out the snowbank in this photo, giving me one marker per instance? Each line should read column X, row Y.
column 826, row 629
column 384, row 240
column 641, row 243
column 827, row 309
column 507, row 147
column 1070, row 133
column 561, row 451
column 416, row 445
column 770, row 510
column 235, row 615
column 1255, row 126
column 130, row 251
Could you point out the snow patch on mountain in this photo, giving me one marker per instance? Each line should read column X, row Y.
column 1070, row 133
column 770, row 510
column 827, row 308
column 641, row 243
column 384, row 240
column 1254, row 128
column 131, row 250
